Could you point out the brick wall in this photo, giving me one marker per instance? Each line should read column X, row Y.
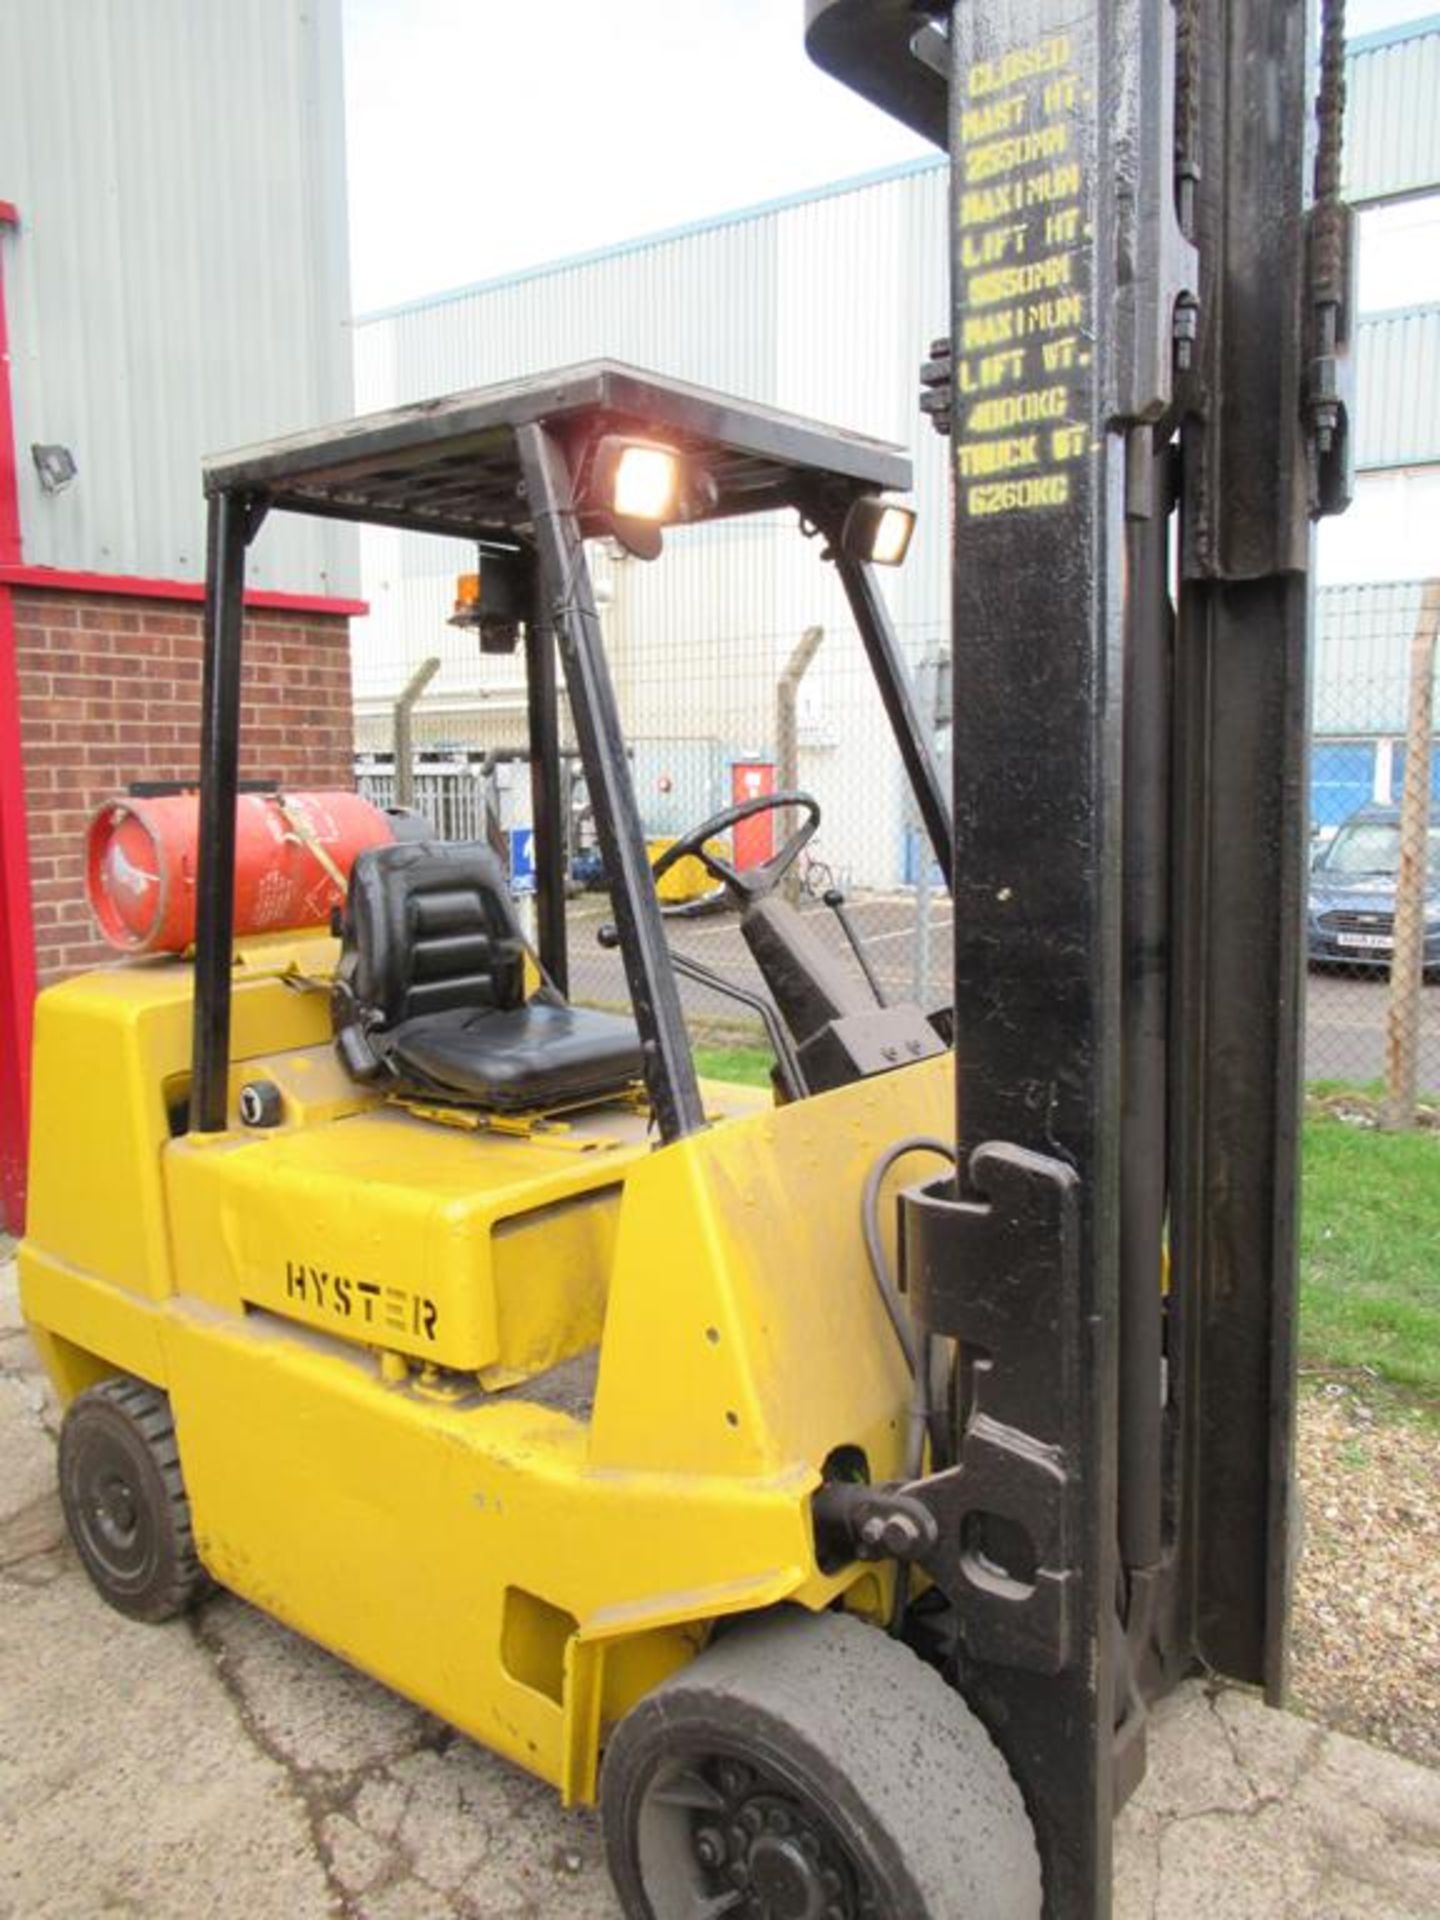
column 110, row 693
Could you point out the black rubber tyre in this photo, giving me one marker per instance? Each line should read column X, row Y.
column 124, row 1500
column 808, row 1767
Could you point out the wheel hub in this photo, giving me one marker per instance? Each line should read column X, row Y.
column 774, row 1855
column 786, row 1879
column 115, row 1511
column 111, row 1513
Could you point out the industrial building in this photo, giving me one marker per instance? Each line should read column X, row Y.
column 173, row 280
column 824, row 303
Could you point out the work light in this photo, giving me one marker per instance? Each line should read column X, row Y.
column 878, row 529
column 646, row 484
column 634, row 488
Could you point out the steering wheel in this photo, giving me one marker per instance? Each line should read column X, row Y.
column 753, row 883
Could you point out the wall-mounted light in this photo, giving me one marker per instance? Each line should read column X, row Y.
column 55, row 466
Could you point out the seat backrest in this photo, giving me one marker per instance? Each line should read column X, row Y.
column 428, row 926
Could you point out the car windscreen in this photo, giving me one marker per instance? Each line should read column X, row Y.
column 1371, row 849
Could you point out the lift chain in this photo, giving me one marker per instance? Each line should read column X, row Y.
column 1327, row 254
column 1187, row 112
column 1328, row 375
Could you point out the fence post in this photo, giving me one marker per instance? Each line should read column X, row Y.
column 928, row 699
column 404, row 744
column 787, row 729
column 1407, row 967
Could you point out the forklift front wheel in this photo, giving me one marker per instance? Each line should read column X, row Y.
column 808, row 1767
column 125, row 1502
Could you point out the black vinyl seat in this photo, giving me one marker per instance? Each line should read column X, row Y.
column 429, row 995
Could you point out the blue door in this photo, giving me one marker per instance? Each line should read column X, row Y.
column 1342, row 778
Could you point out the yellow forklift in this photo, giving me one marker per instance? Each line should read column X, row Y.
column 825, row 1483
column 463, row 1328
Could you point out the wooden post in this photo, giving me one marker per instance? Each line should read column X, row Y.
column 1407, row 970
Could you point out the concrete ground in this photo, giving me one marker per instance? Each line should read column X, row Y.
column 1345, row 1013
column 224, row 1768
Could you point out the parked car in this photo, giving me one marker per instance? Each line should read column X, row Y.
column 1352, row 893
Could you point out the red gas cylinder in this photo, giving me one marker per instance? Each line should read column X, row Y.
column 293, row 854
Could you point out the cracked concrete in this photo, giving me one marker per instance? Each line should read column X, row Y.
column 224, row 1767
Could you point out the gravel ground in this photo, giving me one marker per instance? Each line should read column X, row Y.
column 1367, row 1599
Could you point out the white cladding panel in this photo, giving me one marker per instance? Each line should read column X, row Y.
column 825, row 305
column 179, row 281
column 1390, row 531
column 1397, row 401
column 1392, row 128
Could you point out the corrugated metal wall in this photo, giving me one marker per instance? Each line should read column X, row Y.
column 771, row 305
column 824, row 304
column 1397, row 400
column 1392, row 125
column 179, row 283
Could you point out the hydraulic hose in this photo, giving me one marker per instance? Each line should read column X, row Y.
column 917, row 1354
column 916, row 1360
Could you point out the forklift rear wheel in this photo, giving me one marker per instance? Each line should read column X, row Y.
column 807, row 1767
column 125, row 1501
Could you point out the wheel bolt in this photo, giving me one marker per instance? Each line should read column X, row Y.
column 780, row 1820
column 752, row 1819
column 709, row 1847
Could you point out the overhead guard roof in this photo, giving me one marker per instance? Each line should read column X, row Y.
column 870, row 46
column 449, row 466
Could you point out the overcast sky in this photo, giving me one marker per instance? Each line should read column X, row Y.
column 486, row 136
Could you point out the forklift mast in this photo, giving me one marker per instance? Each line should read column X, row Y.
column 1144, row 390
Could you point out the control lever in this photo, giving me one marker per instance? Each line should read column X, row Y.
column 835, row 900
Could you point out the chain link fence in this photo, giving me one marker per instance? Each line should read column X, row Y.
column 716, row 711
column 1373, row 918
column 720, row 702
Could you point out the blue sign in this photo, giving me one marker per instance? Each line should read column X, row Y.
column 522, row 859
